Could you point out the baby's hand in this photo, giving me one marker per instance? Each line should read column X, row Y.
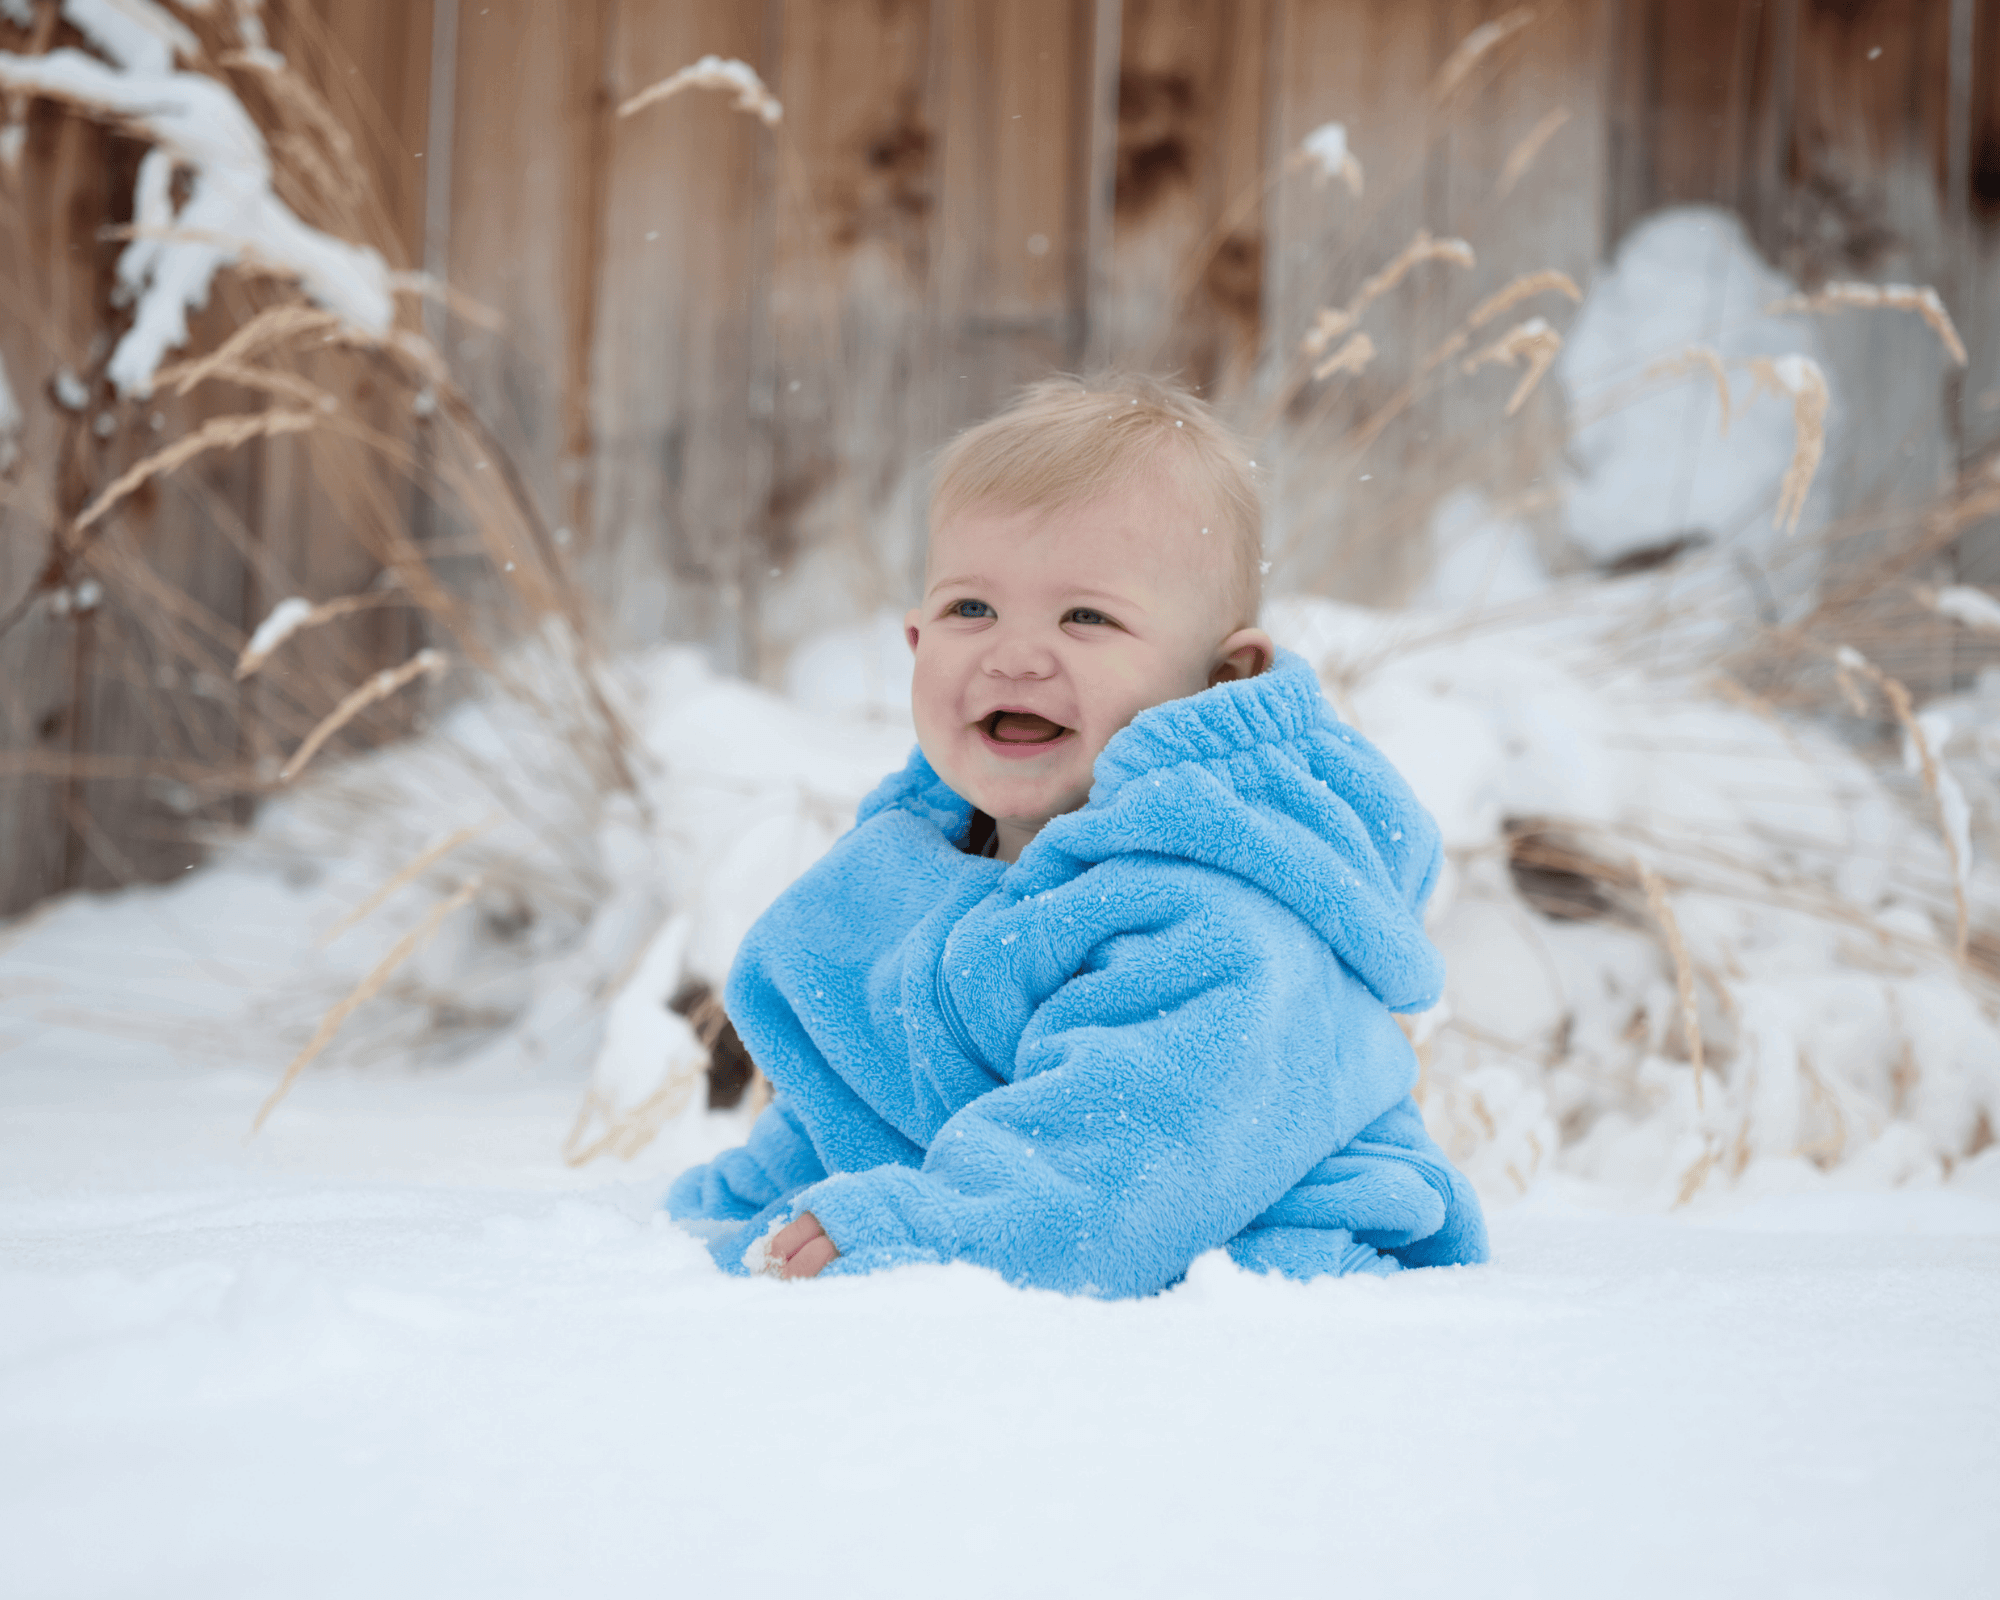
column 800, row 1250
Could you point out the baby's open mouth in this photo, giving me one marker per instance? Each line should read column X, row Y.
column 1022, row 727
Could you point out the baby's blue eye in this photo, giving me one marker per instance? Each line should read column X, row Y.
column 970, row 608
column 1088, row 617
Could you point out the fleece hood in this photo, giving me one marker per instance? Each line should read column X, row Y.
column 1260, row 779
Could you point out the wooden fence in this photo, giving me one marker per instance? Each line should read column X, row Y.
column 724, row 350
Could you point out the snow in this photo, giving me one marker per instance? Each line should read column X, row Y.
column 410, row 1338
column 1326, row 149
column 1652, row 460
column 1814, row 893
column 714, row 72
column 394, row 1343
column 195, row 123
column 1816, row 906
column 71, row 392
column 135, row 35
column 1479, row 559
column 390, row 1347
column 285, row 618
column 1975, row 608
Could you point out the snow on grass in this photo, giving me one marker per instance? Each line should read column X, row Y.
column 1651, row 459
column 1975, row 608
column 733, row 77
column 285, row 620
column 1843, row 1043
column 197, row 127
column 1326, row 149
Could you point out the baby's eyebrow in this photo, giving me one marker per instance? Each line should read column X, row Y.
column 1112, row 597
column 970, row 581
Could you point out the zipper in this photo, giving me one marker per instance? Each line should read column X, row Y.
column 948, row 1008
column 1427, row 1169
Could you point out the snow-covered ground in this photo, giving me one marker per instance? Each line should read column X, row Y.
column 1708, row 1052
column 393, row 1347
column 393, row 1344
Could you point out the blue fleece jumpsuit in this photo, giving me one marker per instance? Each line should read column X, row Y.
column 1166, row 1028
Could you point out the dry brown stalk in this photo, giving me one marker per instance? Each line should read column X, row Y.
column 1473, row 46
column 1329, row 323
column 254, row 657
column 266, row 380
column 627, row 1133
column 453, row 298
column 299, row 154
column 1922, row 299
column 1850, row 664
column 1353, row 356
column 1525, row 287
column 1706, row 359
column 1522, row 156
column 68, row 764
column 1663, row 914
column 1421, row 248
column 291, row 322
column 219, row 433
column 712, row 72
column 409, row 872
column 1697, row 1175
column 1533, row 345
column 1799, row 379
column 344, row 171
column 363, row 992
column 1325, row 151
column 379, row 687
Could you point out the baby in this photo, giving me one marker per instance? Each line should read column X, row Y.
column 1103, row 979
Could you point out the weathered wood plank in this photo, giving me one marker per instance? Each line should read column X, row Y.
column 1187, row 281
column 854, row 213
column 531, row 113
column 1011, row 223
column 679, row 545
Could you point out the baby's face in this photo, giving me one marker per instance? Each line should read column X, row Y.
column 1042, row 633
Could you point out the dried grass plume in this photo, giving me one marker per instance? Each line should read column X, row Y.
column 1476, row 44
column 1326, row 150
column 1922, row 299
column 1353, row 357
column 713, row 72
column 219, row 433
column 1698, row 358
column 383, row 684
column 1523, row 155
column 1800, row 380
column 1532, row 345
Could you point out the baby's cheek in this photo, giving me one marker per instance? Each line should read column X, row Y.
column 1123, row 685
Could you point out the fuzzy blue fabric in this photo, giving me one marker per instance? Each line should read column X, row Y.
column 1166, row 1028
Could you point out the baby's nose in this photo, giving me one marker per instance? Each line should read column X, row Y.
column 1019, row 658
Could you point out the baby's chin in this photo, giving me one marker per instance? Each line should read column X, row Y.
column 1045, row 785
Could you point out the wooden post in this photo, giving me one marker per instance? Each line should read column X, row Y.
column 1091, row 340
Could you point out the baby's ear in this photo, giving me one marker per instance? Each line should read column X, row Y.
column 1244, row 654
column 910, row 628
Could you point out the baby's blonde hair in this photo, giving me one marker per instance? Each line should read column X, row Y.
column 1066, row 440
